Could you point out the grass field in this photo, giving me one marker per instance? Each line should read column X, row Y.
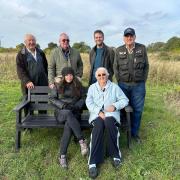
column 157, row 157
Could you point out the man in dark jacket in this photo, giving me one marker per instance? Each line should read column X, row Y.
column 100, row 56
column 131, row 70
column 31, row 65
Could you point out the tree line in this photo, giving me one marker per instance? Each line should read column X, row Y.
column 172, row 44
column 80, row 46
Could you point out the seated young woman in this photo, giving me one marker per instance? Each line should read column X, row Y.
column 68, row 98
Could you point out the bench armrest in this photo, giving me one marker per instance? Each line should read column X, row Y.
column 128, row 108
column 21, row 106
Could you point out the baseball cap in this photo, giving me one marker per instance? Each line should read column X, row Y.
column 130, row 31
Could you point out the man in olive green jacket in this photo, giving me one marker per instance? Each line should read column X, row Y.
column 63, row 56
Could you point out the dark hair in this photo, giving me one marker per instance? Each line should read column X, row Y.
column 98, row 31
column 77, row 86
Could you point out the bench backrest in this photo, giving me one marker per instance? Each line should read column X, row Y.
column 39, row 98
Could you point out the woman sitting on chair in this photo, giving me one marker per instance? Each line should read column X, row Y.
column 68, row 99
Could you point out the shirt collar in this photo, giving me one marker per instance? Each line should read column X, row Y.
column 130, row 51
column 33, row 54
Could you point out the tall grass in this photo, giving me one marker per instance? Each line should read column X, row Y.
column 8, row 66
column 161, row 72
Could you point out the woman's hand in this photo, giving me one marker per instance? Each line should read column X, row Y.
column 101, row 115
column 110, row 108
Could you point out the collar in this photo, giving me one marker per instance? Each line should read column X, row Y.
column 33, row 54
column 130, row 51
column 105, row 87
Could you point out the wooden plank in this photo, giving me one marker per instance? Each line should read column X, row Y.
column 40, row 89
column 42, row 121
column 41, row 106
column 39, row 98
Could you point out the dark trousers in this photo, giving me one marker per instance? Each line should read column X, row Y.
column 96, row 155
column 136, row 95
column 71, row 125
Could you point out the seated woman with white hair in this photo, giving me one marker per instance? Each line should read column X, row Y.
column 104, row 101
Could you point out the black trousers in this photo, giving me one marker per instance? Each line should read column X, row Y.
column 71, row 126
column 96, row 155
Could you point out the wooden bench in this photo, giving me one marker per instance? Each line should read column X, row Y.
column 27, row 116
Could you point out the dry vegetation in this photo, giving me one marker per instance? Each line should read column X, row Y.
column 160, row 71
column 163, row 71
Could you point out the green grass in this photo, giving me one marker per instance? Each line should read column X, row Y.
column 156, row 158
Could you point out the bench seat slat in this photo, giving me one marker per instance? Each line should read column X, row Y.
column 40, row 121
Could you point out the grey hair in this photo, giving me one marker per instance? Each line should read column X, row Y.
column 63, row 34
column 101, row 69
column 27, row 35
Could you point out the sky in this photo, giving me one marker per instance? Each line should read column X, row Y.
column 153, row 21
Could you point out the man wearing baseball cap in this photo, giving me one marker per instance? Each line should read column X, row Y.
column 131, row 71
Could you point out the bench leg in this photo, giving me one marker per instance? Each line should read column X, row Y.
column 128, row 118
column 18, row 139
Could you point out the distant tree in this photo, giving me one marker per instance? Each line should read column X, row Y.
column 38, row 46
column 158, row 46
column 81, row 47
column 19, row 46
column 173, row 43
column 52, row 45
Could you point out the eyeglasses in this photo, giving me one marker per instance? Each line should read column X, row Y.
column 64, row 40
column 99, row 75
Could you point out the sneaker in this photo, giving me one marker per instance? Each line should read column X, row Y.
column 93, row 173
column 84, row 148
column 117, row 162
column 63, row 161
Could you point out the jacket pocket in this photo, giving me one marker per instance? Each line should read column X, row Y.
column 139, row 63
column 123, row 65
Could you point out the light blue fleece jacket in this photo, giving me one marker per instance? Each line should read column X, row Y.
column 112, row 95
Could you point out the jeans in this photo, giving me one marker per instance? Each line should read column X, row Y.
column 71, row 125
column 136, row 95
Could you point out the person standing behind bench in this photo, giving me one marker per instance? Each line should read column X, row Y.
column 104, row 101
column 63, row 56
column 68, row 98
column 100, row 56
column 131, row 71
column 31, row 65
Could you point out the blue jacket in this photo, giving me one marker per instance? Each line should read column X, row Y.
column 97, row 99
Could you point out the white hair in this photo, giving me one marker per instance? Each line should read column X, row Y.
column 102, row 69
column 29, row 35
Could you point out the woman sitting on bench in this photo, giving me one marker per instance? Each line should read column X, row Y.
column 68, row 99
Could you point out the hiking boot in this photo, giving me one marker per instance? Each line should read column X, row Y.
column 63, row 161
column 93, row 173
column 84, row 148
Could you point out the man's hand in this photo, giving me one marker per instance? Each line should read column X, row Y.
column 51, row 86
column 30, row 85
column 102, row 115
column 110, row 108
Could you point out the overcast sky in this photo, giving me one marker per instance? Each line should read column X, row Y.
column 153, row 20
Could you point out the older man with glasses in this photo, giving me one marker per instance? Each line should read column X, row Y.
column 63, row 56
column 104, row 100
